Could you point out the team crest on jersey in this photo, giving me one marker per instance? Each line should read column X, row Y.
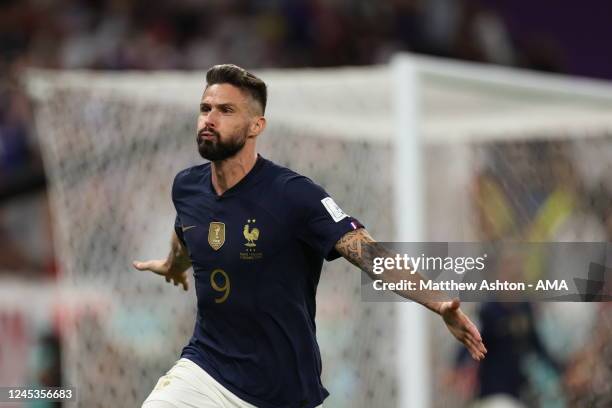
column 216, row 235
column 251, row 235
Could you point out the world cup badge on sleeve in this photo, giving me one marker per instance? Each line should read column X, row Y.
column 216, row 235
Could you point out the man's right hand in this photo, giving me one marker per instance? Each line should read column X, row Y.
column 161, row 267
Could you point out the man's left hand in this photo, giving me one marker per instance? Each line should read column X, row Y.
column 463, row 329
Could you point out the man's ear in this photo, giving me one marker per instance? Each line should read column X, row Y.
column 257, row 126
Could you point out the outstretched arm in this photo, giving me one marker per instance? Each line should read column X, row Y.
column 360, row 249
column 174, row 267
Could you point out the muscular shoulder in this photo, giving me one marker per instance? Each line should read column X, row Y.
column 297, row 193
column 289, row 183
column 281, row 174
column 190, row 179
column 193, row 173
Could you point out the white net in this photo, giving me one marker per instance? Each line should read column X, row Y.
column 112, row 147
column 114, row 141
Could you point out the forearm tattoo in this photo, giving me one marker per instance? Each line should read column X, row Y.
column 360, row 249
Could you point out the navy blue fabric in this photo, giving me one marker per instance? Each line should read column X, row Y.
column 259, row 342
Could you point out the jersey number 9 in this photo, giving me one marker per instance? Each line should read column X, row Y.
column 220, row 282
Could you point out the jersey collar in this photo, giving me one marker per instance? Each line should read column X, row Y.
column 242, row 184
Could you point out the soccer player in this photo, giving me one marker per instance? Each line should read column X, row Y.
column 256, row 235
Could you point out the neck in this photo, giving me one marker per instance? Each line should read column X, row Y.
column 227, row 173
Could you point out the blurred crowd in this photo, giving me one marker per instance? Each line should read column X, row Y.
column 545, row 354
column 191, row 34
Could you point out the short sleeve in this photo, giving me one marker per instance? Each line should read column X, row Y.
column 318, row 220
column 178, row 225
column 178, row 228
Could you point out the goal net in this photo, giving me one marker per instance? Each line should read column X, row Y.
column 417, row 150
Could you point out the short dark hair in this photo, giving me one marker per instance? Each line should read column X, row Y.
column 240, row 78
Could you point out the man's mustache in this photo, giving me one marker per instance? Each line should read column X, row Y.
column 208, row 130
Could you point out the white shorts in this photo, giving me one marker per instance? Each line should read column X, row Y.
column 187, row 385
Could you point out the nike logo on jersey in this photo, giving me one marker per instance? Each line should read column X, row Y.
column 188, row 227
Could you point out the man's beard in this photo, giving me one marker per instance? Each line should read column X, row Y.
column 216, row 150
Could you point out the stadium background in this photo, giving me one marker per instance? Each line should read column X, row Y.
column 50, row 334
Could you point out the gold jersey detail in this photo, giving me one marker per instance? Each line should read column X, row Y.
column 216, row 235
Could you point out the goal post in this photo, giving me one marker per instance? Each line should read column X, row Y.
column 413, row 373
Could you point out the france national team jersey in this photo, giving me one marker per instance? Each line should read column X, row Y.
column 257, row 252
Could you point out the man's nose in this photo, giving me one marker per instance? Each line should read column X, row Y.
column 211, row 119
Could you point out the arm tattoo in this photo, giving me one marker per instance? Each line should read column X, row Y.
column 360, row 249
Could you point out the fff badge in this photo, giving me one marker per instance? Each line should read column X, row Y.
column 216, row 235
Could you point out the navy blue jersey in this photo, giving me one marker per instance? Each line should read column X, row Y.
column 257, row 252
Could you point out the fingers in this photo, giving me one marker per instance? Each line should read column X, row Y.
column 182, row 280
column 464, row 330
column 470, row 327
column 471, row 338
column 471, row 334
column 474, row 335
column 475, row 347
column 156, row 266
column 473, row 331
column 478, row 344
